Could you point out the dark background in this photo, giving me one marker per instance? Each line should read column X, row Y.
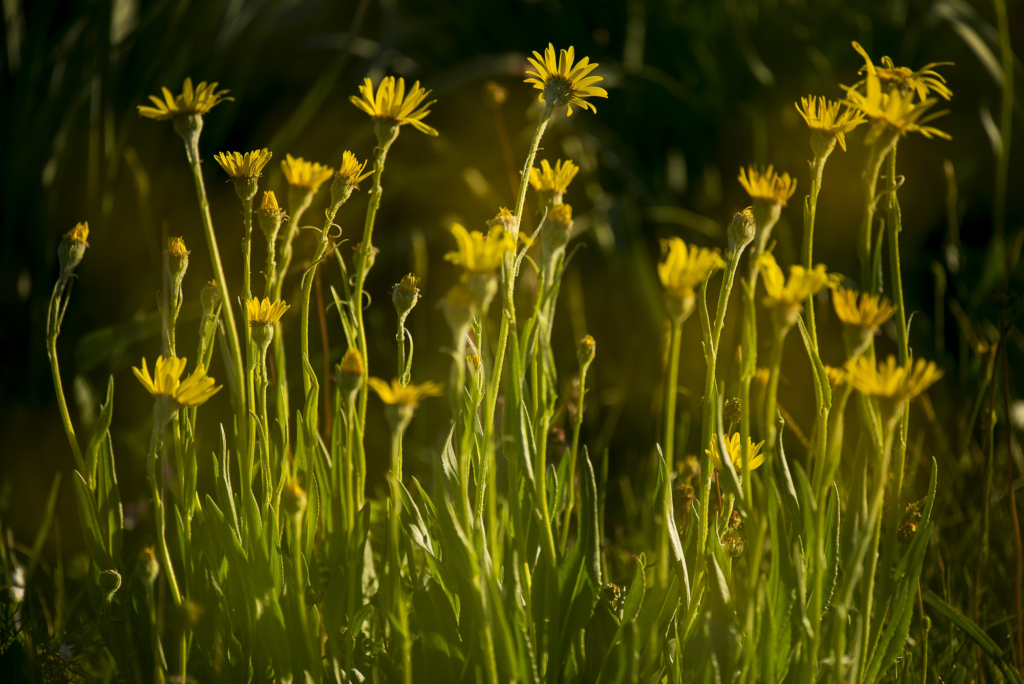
column 696, row 89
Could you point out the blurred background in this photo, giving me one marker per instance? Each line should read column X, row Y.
column 696, row 89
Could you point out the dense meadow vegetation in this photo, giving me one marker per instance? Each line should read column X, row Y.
column 724, row 390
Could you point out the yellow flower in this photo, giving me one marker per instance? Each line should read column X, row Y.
column 767, row 185
column 479, row 253
column 869, row 313
column 823, row 116
column 790, row 294
column 923, row 81
column 265, row 312
column 553, row 181
column 351, row 171
column 80, row 233
column 197, row 100
column 895, row 110
column 176, row 247
column 683, row 268
column 735, row 453
column 410, row 395
column 303, row 174
column 193, row 391
column 891, row 380
column 352, row 362
column 562, row 84
column 392, row 104
column 248, row 165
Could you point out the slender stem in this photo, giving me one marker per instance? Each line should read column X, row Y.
column 810, row 211
column 671, row 390
column 771, row 394
column 53, row 329
column 158, row 513
column 573, row 455
column 238, row 391
column 1005, row 124
column 869, row 182
column 380, row 154
column 397, row 597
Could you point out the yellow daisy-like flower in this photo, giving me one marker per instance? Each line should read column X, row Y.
column 923, row 81
column 891, row 380
column 555, row 180
column 735, row 452
column 269, row 203
column 410, row 395
column 176, row 247
column 391, row 103
column 895, row 110
column 861, row 309
column 248, row 165
column 352, row 362
column 80, row 233
column 303, row 174
column 683, row 268
column 791, row 293
column 478, row 253
column 351, row 171
column 766, row 184
column 561, row 83
column 265, row 312
column 197, row 100
column 836, row 376
column 824, row 116
column 164, row 382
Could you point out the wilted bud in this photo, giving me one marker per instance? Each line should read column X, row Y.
column 555, row 235
column 293, row 499
column 350, row 377
column 585, row 351
column 270, row 217
column 110, row 582
column 147, row 565
column 734, row 546
column 741, row 231
column 210, row 298
column 72, row 249
column 405, row 294
column 176, row 262
column 735, row 520
column 733, row 410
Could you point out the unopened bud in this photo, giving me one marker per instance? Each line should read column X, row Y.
column 72, row 249
column 405, row 294
column 176, row 262
column 270, row 216
column 350, row 377
column 293, row 499
column 555, row 235
column 585, row 351
column 147, row 565
column 741, row 231
column 734, row 546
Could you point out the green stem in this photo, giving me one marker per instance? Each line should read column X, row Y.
column 396, row 595
column 53, row 329
column 671, row 389
column 238, row 389
column 573, row 454
column 158, row 514
column 380, row 154
column 869, row 182
column 810, row 212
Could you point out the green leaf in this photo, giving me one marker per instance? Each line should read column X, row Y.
column 99, row 432
column 91, row 530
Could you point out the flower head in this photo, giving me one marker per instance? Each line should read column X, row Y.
column 890, row 380
column 198, row 100
column 825, row 118
column 735, row 452
column 478, row 253
column 405, row 295
column 265, row 312
column 308, row 176
column 553, row 182
column 176, row 248
column 410, row 395
column 836, row 376
column 248, row 165
column 392, row 104
column 165, row 383
column 72, row 249
column 767, row 185
column 561, row 83
column 860, row 309
column 347, row 179
column 790, row 294
column 894, row 111
column 683, row 268
column 923, row 82
column 505, row 219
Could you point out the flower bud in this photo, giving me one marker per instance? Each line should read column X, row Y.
column 585, row 351
column 270, row 217
column 741, row 231
column 404, row 295
column 110, row 582
column 210, row 299
column 351, row 372
column 555, row 236
column 72, row 249
column 293, row 500
column 176, row 262
column 147, row 565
